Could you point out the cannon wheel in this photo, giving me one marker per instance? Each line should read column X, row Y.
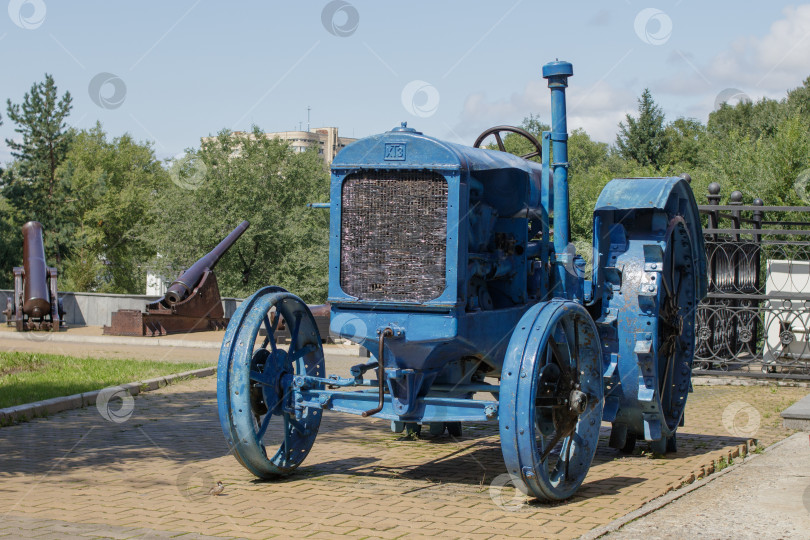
column 264, row 429
column 551, row 399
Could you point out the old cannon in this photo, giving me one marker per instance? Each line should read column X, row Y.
column 36, row 304
column 192, row 302
column 453, row 265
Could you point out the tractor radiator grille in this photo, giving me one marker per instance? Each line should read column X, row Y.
column 393, row 235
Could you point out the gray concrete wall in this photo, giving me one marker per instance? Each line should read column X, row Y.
column 94, row 309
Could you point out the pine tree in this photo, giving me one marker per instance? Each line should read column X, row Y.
column 34, row 190
column 644, row 139
column 8, row 245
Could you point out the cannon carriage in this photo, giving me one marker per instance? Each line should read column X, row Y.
column 453, row 265
column 192, row 302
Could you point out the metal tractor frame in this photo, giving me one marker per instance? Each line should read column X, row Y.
column 454, row 267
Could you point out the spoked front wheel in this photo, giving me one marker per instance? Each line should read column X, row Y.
column 266, row 430
column 551, row 399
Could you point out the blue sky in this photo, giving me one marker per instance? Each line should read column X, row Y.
column 180, row 70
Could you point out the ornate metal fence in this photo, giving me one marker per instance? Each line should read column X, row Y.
column 756, row 316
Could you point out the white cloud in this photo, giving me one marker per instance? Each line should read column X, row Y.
column 779, row 60
column 760, row 66
column 597, row 109
column 764, row 66
column 478, row 113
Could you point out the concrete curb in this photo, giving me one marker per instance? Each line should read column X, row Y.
column 671, row 496
column 729, row 380
column 341, row 350
column 797, row 416
column 28, row 411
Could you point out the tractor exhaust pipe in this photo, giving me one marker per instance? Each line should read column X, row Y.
column 557, row 74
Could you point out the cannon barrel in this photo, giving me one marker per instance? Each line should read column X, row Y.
column 36, row 297
column 182, row 286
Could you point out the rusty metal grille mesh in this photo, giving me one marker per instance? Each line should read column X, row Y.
column 393, row 235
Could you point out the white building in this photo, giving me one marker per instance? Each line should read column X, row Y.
column 325, row 139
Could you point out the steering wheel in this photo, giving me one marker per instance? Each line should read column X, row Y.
column 497, row 132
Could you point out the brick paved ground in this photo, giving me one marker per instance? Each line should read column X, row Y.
column 67, row 475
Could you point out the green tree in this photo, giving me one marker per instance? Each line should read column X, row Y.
column 111, row 183
column 8, row 250
column 759, row 148
column 755, row 120
column 584, row 153
column 781, row 159
column 10, row 245
column 644, row 139
column 587, row 175
column 798, row 101
column 684, row 142
column 34, row 190
column 235, row 177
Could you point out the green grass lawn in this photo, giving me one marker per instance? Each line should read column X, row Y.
column 28, row 377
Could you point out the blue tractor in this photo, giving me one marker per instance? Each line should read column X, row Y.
column 453, row 265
